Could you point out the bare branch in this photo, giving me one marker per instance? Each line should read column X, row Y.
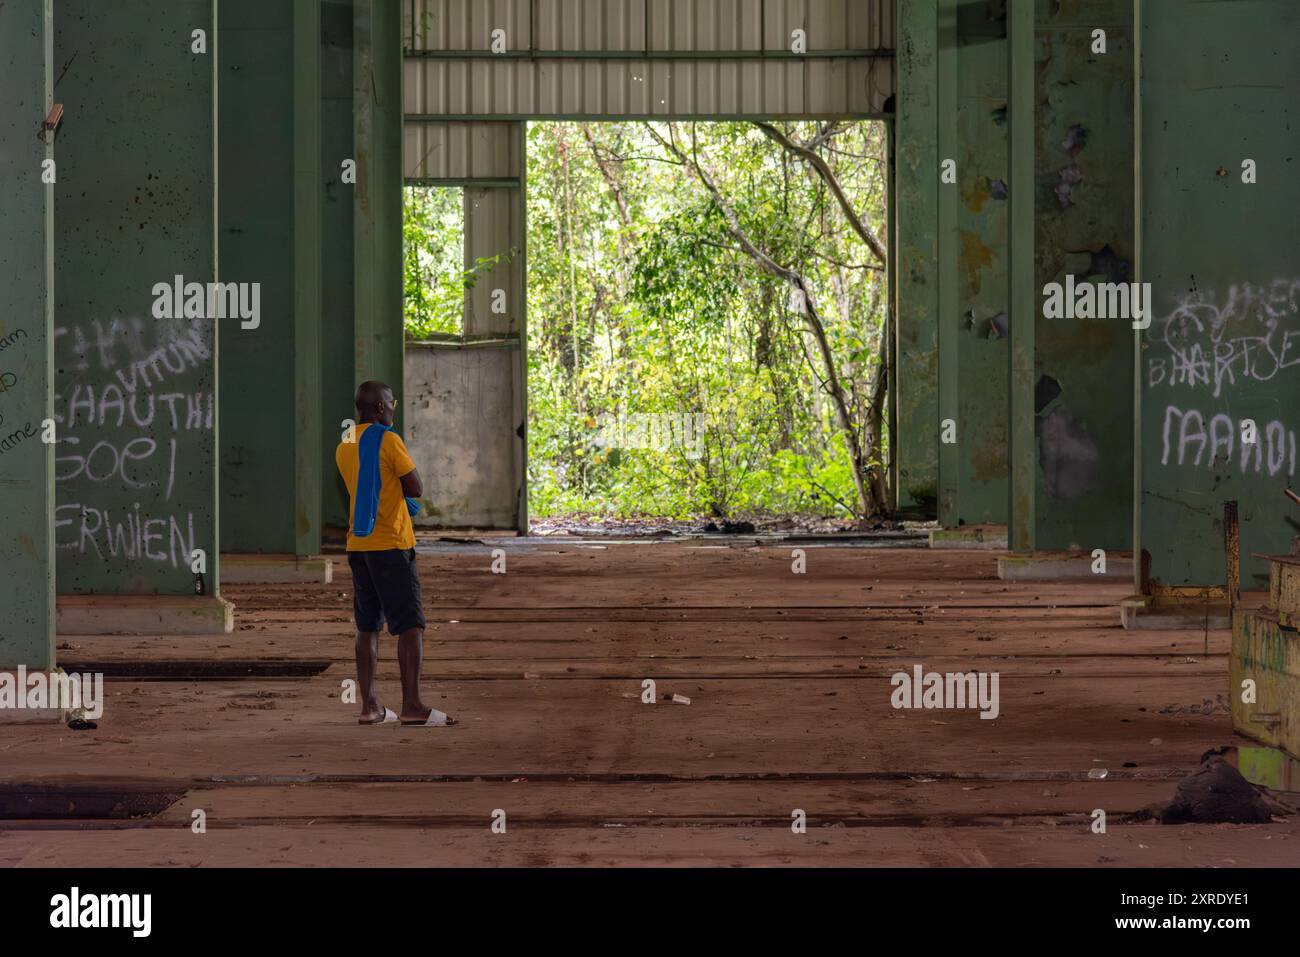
column 824, row 170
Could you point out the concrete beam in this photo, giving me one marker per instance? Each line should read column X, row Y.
column 26, row 351
column 144, row 615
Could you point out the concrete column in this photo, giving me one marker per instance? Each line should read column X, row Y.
column 135, row 392
column 338, row 278
column 269, row 103
column 915, row 223
column 947, row 307
column 257, row 244
column 377, row 230
column 1023, row 301
column 1219, row 85
column 1083, row 227
column 307, row 274
column 26, row 321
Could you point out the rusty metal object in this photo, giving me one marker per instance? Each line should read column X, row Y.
column 51, row 122
column 1232, row 548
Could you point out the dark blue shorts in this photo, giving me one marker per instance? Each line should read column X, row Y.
column 386, row 586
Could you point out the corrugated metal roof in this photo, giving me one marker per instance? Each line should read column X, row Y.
column 643, row 58
column 516, row 89
column 698, row 26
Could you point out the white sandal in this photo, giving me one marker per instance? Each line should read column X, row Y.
column 436, row 719
column 390, row 716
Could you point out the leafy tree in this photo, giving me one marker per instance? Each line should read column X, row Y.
column 726, row 272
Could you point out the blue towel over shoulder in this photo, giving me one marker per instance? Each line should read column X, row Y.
column 366, row 508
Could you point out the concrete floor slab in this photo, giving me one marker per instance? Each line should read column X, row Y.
column 789, row 677
column 1140, row 612
column 1057, row 566
column 970, row 536
column 276, row 569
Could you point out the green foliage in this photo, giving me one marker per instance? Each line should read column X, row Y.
column 642, row 302
column 432, row 225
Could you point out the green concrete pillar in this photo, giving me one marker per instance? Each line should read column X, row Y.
column 978, row 321
column 1083, row 227
column 1220, row 85
column 255, row 102
column 338, row 279
column 378, row 332
column 1023, row 299
column 269, row 229
column 946, row 272
column 26, row 323
column 135, row 400
column 307, row 274
column 915, row 210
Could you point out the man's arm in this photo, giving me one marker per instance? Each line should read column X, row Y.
column 412, row 487
column 401, row 464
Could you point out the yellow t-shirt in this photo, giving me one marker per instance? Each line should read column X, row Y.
column 393, row 527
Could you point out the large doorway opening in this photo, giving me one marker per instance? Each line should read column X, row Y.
column 707, row 321
column 707, row 310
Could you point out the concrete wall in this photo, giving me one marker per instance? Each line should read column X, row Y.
column 135, row 395
column 460, row 428
column 480, row 427
column 1220, row 84
column 26, row 315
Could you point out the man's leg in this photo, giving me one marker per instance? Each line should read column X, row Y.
column 368, row 614
column 367, row 662
column 399, row 585
column 410, row 659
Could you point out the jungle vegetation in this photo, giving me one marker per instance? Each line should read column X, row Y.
column 729, row 276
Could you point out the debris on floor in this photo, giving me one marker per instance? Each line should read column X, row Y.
column 1216, row 793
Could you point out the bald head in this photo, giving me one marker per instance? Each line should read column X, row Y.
column 375, row 402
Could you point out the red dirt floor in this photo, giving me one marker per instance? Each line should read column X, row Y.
column 788, row 679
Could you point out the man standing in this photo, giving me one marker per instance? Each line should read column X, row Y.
column 380, row 476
